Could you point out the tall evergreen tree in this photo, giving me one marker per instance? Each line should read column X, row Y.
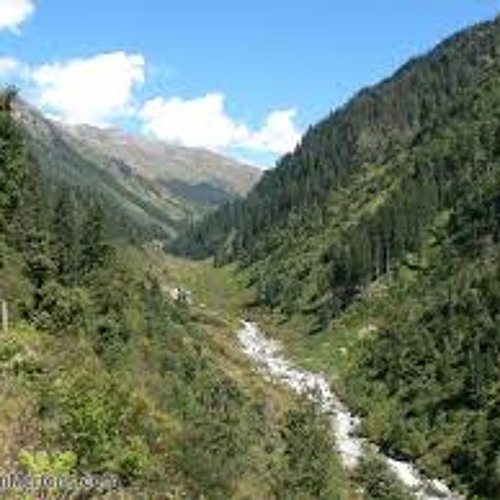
column 12, row 159
column 94, row 245
column 29, row 230
column 65, row 237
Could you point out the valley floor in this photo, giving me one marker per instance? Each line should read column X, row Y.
column 223, row 292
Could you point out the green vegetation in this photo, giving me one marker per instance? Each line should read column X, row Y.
column 377, row 482
column 103, row 371
column 308, row 469
column 428, row 382
column 378, row 238
column 376, row 242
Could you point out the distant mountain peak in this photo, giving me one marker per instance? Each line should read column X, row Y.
column 155, row 183
column 156, row 159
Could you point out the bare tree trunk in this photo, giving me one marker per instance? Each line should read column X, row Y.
column 5, row 317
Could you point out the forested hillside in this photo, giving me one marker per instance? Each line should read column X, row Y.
column 368, row 131
column 104, row 372
column 382, row 229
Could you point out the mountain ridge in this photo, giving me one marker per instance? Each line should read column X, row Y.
column 374, row 124
column 162, row 187
column 180, row 162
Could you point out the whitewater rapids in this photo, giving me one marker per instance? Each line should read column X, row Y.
column 268, row 355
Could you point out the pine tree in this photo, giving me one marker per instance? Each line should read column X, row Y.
column 95, row 248
column 65, row 237
column 310, row 463
column 29, row 232
column 12, row 159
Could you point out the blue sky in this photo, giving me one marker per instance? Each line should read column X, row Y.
column 242, row 77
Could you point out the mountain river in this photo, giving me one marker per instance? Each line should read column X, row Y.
column 269, row 357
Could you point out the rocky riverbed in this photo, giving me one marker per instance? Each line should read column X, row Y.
column 269, row 357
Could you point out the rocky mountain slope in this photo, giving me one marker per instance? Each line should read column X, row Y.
column 168, row 163
column 158, row 186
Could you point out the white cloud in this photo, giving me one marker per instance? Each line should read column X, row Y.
column 200, row 122
column 93, row 90
column 14, row 12
column 278, row 135
column 9, row 67
column 203, row 122
column 100, row 89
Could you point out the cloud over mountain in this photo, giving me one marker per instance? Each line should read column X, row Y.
column 204, row 122
column 95, row 90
